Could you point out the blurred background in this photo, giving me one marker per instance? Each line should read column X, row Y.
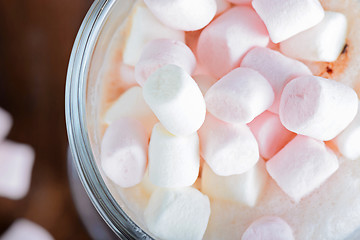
column 36, row 38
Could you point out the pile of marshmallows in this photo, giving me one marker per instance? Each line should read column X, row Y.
column 252, row 103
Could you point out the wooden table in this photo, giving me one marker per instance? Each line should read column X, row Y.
column 36, row 38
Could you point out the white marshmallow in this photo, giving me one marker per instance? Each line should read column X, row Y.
column 178, row 214
column 276, row 68
column 302, row 166
column 222, row 6
column 224, row 42
column 270, row 134
column 131, row 104
column 174, row 161
column 323, row 42
column 204, row 82
column 284, row 20
column 25, row 229
column 124, row 152
column 227, row 148
column 16, row 163
column 317, row 107
column 175, row 99
column 160, row 52
column 239, row 96
column 144, row 27
column 269, row 228
column 348, row 140
column 186, row 15
column 240, row 188
column 5, row 123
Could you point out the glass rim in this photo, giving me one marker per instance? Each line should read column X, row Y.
column 76, row 124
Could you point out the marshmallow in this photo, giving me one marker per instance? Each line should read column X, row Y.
column 222, row 6
column 227, row 148
column 131, row 104
column 348, row 141
column 5, row 123
column 270, row 134
column 160, row 52
column 127, row 75
column 124, row 152
column 204, row 82
column 186, row 15
column 317, row 107
column 16, row 163
column 25, row 229
column 323, row 42
column 239, row 96
column 269, row 228
column 240, row 188
column 224, row 42
column 284, row 20
column 276, row 68
column 175, row 99
column 174, row 161
column 302, row 166
column 177, row 214
column 142, row 27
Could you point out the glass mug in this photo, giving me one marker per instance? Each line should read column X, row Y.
column 82, row 100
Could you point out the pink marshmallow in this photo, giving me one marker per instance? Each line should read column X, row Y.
column 5, row 123
column 124, row 152
column 317, row 107
column 185, row 15
column 286, row 19
column 270, row 134
column 269, row 228
column 227, row 148
column 16, row 163
column 160, row 52
column 276, row 68
column 239, row 96
column 225, row 41
column 302, row 166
